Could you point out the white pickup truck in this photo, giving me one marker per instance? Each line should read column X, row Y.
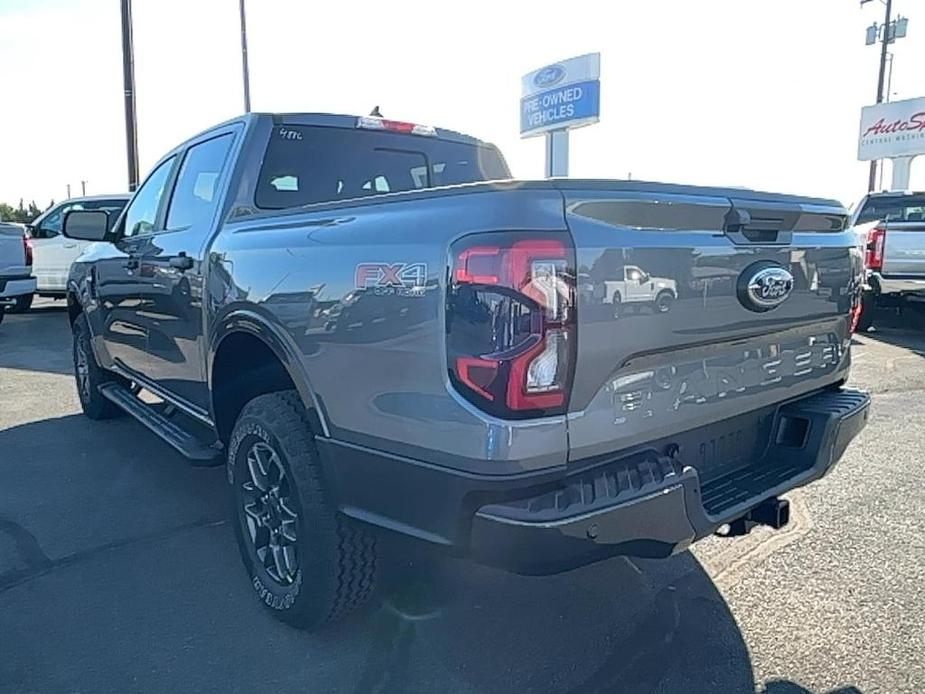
column 892, row 228
column 634, row 286
column 16, row 278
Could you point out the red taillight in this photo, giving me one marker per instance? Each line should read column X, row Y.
column 511, row 322
column 395, row 126
column 876, row 241
column 27, row 248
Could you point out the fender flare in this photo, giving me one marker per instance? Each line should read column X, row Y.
column 251, row 321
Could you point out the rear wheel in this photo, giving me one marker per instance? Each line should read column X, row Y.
column 90, row 376
column 306, row 562
column 23, row 304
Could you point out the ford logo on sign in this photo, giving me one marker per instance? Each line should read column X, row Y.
column 548, row 76
column 764, row 286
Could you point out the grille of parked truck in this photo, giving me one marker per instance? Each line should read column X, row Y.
column 377, row 331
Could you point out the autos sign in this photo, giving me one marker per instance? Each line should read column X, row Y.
column 895, row 129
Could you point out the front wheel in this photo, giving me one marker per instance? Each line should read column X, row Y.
column 307, row 564
column 663, row 302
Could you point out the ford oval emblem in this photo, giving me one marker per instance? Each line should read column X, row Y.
column 549, row 76
column 764, row 286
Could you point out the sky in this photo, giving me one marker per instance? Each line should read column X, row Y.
column 764, row 95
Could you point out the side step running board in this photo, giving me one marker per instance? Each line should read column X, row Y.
column 198, row 452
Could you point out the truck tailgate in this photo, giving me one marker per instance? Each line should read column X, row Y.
column 12, row 252
column 904, row 253
column 670, row 338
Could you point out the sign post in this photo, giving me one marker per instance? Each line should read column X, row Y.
column 558, row 98
column 895, row 131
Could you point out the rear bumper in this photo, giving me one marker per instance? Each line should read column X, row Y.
column 642, row 504
column 12, row 288
column 895, row 285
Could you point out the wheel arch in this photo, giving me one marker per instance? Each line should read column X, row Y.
column 247, row 325
column 74, row 307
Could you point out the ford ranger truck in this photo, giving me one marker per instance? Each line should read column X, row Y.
column 378, row 332
column 892, row 231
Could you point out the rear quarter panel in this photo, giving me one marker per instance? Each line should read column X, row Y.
column 374, row 354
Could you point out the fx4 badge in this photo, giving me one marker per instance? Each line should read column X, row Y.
column 400, row 279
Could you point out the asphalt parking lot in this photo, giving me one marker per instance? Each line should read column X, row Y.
column 119, row 572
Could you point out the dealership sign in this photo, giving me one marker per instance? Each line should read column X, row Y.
column 561, row 96
column 894, row 129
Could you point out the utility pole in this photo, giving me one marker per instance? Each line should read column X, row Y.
column 247, row 80
column 68, row 190
column 83, row 188
column 128, row 83
column 885, row 39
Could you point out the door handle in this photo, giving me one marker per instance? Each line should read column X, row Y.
column 131, row 264
column 181, row 262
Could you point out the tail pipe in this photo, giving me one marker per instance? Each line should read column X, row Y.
column 774, row 513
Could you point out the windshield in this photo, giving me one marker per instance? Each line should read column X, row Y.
column 905, row 208
column 309, row 164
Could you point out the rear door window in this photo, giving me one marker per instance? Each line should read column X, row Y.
column 195, row 193
column 309, row 164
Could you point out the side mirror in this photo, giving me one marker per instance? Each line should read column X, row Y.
column 86, row 225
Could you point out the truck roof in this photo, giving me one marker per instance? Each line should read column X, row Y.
column 88, row 198
column 329, row 120
column 894, row 193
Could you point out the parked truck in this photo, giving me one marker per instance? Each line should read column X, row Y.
column 54, row 253
column 378, row 332
column 16, row 280
column 891, row 226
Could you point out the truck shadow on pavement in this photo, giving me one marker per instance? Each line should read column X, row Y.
column 106, row 531
column 37, row 341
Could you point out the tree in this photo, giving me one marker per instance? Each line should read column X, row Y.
column 21, row 214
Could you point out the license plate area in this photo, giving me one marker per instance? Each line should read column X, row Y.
column 726, row 446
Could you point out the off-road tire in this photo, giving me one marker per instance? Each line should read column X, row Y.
column 335, row 557
column 94, row 404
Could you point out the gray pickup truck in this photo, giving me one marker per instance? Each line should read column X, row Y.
column 380, row 333
column 891, row 226
column 16, row 281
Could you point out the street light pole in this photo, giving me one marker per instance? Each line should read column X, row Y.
column 247, row 81
column 885, row 39
column 128, row 83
